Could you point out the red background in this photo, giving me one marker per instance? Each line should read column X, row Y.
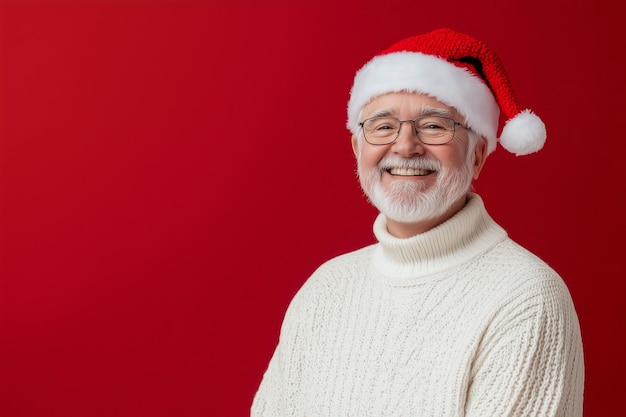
column 172, row 171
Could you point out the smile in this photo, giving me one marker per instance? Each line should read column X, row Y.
column 409, row 172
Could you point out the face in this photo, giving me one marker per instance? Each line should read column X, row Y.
column 416, row 186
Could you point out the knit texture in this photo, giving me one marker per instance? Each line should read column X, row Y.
column 457, row 321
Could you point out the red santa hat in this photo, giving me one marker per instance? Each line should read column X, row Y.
column 461, row 72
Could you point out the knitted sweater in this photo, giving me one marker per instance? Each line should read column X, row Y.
column 457, row 321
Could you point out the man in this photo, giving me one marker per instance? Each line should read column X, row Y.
column 445, row 315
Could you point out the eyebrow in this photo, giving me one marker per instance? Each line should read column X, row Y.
column 434, row 111
column 424, row 111
column 381, row 113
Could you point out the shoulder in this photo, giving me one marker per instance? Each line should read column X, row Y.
column 511, row 277
column 324, row 292
column 331, row 279
column 518, row 265
column 355, row 261
column 338, row 271
column 525, row 285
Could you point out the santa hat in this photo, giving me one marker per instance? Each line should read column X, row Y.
column 461, row 72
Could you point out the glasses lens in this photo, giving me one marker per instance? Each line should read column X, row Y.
column 434, row 130
column 381, row 130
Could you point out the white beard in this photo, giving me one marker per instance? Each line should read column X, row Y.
column 408, row 202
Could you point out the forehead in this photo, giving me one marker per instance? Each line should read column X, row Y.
column 405, row 104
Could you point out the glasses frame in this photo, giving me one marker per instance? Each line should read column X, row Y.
column 454, row 125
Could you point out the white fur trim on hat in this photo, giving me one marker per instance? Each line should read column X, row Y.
column 421, row 73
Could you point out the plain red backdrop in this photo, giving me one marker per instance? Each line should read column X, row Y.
column 172, row 171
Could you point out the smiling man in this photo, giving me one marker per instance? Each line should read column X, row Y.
column 408, row 173
column 445, row 315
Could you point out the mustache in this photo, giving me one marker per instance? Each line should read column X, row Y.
column 421, row 162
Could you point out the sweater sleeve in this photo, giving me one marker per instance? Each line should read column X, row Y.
column 267, row 401
column 281, row 381
column 530, row 359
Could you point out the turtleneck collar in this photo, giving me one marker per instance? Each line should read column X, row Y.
column 467, row 234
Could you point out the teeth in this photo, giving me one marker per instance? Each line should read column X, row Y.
column 408, row 172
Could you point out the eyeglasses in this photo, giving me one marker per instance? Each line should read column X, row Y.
column 430, row 130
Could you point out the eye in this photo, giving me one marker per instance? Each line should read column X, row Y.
column 383, row 124
column 431, row 124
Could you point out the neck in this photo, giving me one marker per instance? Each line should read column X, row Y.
column 407, row 230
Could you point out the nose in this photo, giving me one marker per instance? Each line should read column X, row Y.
column 407, row 143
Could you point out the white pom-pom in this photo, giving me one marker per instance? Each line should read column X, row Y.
column 523, row 134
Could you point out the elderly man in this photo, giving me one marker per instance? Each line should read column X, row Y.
column 445, row 315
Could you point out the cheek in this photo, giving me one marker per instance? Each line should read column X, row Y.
column 461, row 150
column 453, row 156
column 370, row 157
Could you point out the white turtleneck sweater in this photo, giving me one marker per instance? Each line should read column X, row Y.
column 457, row 321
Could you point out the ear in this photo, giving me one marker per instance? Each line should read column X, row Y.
column 480, row 156
column 355, row 146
